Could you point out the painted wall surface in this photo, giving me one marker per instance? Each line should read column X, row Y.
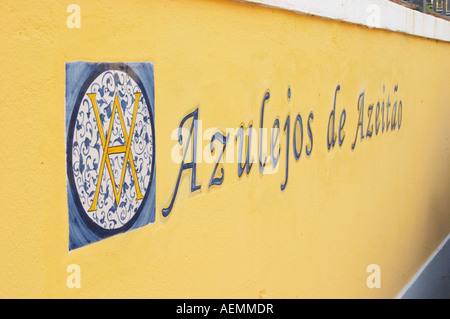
column 384, row 201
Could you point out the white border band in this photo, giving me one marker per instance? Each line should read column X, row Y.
column 381, row 14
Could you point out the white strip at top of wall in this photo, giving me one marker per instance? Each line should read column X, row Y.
column 382, row 14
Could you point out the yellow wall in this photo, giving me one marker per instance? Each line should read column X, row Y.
column 385, row 202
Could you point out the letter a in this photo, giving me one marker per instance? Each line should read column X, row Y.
column 189, row 165
column 374, row 279
column 361, row 119
column 74, row 279
column 74, row 20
